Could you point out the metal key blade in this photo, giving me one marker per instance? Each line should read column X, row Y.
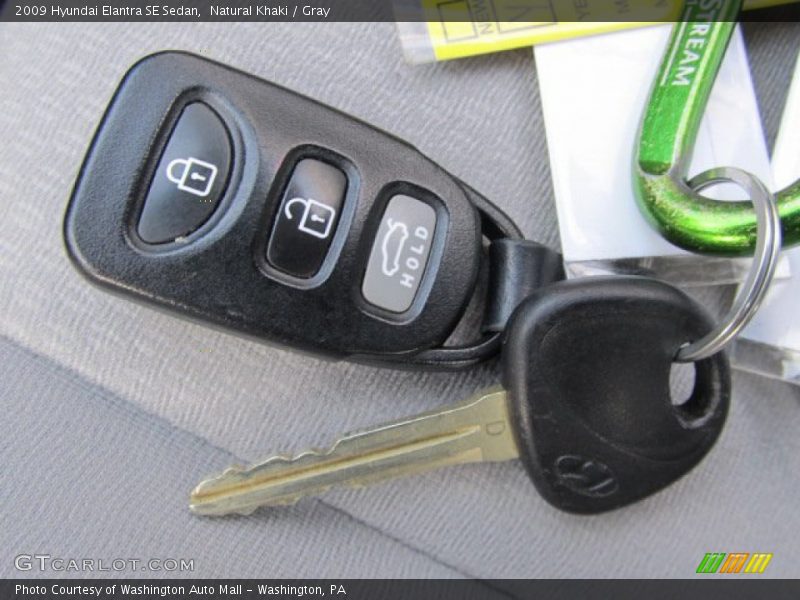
column 476, row 430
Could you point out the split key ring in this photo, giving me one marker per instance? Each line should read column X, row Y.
column 765, row 259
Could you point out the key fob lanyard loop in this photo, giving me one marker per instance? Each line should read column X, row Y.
column 667, row 135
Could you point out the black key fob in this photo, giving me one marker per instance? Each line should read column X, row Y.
column 236, row 202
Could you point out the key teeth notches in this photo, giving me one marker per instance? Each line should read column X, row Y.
column 288, row 457
column 214, row 480
column 201, row 504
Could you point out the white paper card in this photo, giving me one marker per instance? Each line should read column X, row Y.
column 778, row 321
column 593, row 93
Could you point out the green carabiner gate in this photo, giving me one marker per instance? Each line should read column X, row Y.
column 668, row 133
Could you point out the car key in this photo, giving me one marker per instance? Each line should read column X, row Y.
column 236, row 202
column 586, row 407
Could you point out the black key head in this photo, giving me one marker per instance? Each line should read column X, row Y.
column 587, row 368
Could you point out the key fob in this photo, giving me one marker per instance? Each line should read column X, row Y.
column 587, row 368
column 236, row 202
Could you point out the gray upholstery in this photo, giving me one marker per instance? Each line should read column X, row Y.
column 112, row 411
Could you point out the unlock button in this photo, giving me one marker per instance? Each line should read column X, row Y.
column 307, row 218
column 316, row 218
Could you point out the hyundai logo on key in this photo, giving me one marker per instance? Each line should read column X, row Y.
column 585, row 476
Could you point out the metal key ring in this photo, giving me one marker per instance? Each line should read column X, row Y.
column 765, row 259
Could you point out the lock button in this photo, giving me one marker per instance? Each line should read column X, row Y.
column 307, row 218
column 190, row 178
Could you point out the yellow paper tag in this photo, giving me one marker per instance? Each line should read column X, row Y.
column 459, row 28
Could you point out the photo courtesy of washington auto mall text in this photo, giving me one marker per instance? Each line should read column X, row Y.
column 198, row 590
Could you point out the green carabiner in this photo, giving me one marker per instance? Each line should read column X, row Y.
column 668, row 133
